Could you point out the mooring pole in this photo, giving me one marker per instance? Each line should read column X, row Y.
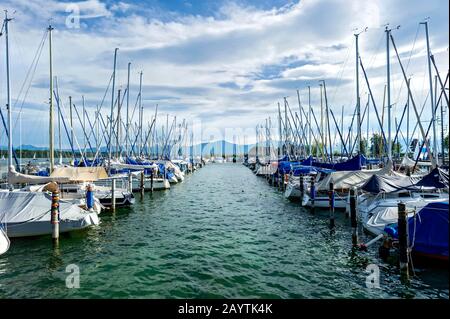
column 353, row 218
column 55, row 216
column 113, row 194
column 331, row 203
column 142, row 183
column 302, row 190
column 151, row 180
column 313, row 195
column 89, row 197
column 403, row 240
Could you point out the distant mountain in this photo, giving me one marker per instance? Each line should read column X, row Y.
column 215, row 148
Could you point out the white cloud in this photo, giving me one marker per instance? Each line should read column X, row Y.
column 235, row 60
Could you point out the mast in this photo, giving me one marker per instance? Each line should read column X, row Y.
column 8, row 90
column 118, row 124
column 328, row 120
column 321, row 123
column 140, row 113
column 111, row 118
column 280, row 137
column 71, row 120
column 128, row 103
column 433, row 110
column 51, row 128
column 408, row 141
column 309, row 120
column 358, row 101
column 388, row 66
column 358, row 97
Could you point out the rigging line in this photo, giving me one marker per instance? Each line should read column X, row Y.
column 35, row 60
column 30, row 81
column 409, row 60
column 341, row 73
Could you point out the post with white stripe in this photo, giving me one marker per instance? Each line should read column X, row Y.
column 54, row 216
column 113, row 194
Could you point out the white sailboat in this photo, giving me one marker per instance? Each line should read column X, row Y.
column 26, row 213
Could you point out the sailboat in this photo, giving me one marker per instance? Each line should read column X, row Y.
column 26, row 213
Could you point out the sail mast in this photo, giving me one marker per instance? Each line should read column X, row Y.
column 8, row 92
column 111, row 118
column 51, row 128
column 128, row 103
column 433, row 109
column 388, row 66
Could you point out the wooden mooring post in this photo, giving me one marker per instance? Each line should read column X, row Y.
column 142, row 183
column 151, row 180
column 353, row 217
column 403, row 241
column 331, row 199
column 302, row 189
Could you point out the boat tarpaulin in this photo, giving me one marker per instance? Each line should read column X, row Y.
column 407, row 162
column 19, row 178
column 28, row 214
column 80, row 174
column 437, row 178
column 387, row 183
column 344, row 180
column 353, row 164
column 428, row 230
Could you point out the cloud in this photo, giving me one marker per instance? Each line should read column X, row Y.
column 210, row 60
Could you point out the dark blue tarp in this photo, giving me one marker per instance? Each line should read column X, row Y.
column 285, row 158
column 307, row 162
column 437, row 178
column 431, row 230
column 387, row 183
column 353, row 164
column 88, row 163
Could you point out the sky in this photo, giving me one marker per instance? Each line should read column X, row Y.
column 221, row 65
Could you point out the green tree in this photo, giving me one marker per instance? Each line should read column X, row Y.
column 376, row 145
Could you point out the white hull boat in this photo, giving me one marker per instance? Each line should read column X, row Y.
column 27, row 214
column 4, row 242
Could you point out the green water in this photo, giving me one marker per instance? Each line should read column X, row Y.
column 223, row 232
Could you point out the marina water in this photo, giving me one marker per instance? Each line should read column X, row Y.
column 223, row 232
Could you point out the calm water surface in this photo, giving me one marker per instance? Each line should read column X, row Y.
column 223, row 232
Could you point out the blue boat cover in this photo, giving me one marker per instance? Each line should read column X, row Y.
column 353, row 164
column 437, row 178
column 431, row 229
column 388, row 183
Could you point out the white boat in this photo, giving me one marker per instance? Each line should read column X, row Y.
column 384, row 211
column 4, row 241
column 28, row 214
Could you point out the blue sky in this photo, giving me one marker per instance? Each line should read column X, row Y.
column 226, row 63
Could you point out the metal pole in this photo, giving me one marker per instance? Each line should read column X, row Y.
column 51, row 129
column 388, row 65
column 433, row 110
column 128, row 103
column 111, row 118
column 358, row 101
column 8, row 93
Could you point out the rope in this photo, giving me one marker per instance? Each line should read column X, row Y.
column 33, row 70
